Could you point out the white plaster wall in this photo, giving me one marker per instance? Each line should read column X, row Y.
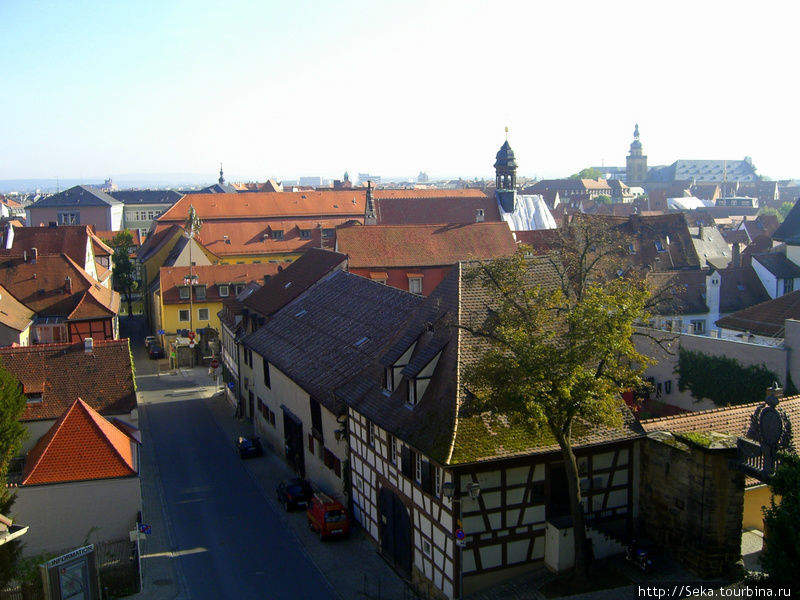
column 768, row 280
column 61, row 516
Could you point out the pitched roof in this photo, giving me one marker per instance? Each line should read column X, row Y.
column 731, row 420
column 172, row 278
column 330, row 332
column 777, row 264
column 349, row 203
column 13, row 313
column 442, row 424
column 423, row 245
column 254, row 237
column 146, row 196
column 77, row 196
column 417, row 207
column 42, row 286
column 62, row 372
column 295, row 279
column 157, row 240
column 684, row 292
column 766, row 318
column 72, row 240
column 80, row 446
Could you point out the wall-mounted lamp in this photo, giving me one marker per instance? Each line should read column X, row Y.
column 474, row 490
column 448, row 490
column 340, row 434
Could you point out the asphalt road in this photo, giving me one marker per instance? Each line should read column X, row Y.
column 227, row 539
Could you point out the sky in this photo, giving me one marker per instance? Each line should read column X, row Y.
column 303, row 88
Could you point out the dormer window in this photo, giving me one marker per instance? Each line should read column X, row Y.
column 277, row 234
column 388, row 379
column 224, row 290
column 659, row 246
column 34, row 399
column 184, row 292
column 200, row 292
column 412, row 392
column 305, row 234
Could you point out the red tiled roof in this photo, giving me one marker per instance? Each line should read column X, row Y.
column 72, row 240
column 767, row 318
column 429, row 194
column 63, row 372
column 349, row 203
column 156, row 240
column 13, row 313
column 423, row 207
column 731, row 420
column 423, row 245
column 211, row 276
column 81, row 445
column 255, row 237
column 294, row 280
column 42, row 286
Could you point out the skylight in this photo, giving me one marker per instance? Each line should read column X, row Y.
column 361, row 342
column 301, row 313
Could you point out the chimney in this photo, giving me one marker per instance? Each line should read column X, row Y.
column 479, row 215
column 736, row 255
column 9, row 236
column 34, row 255
column 68, row 284
column 369, row 215
column 88, row 345
column 24, row 256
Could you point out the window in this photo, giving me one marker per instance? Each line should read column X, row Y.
column 202, row 314
column 238, row 288
column 184, row 292
column 436, row 474
column 328, row 233
column 332, row 462
column 223, row 290
column 277, row 234
column 267, row 383
column 371, row 434
column 426, row 547
column 412, row 392
column 406, row 461
column 388, row 373
column 415, row 285
column 668, row 386
column 69, row 218
column 788, row 285
column 151, row 214
column 659, row 246
column 393, row 449
column 418, row 468
column 305, row 234
column 699, row 325
column 183, row 314
column 200, row 292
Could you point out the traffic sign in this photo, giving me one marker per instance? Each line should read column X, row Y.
column 191, row 343
column 190, row 335
column 144, row 528
column 214, row 363
column 460, row 535
column 231, row 385
column 161, row 332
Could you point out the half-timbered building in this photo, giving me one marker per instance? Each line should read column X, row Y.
column 458, row 499
column 290, row 366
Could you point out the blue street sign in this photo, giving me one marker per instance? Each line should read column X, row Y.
column 231, row 385
column 161, row 332
column 144, row 528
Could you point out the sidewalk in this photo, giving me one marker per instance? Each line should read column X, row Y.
column 352, row 566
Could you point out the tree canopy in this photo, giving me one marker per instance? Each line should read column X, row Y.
column 781, row 556
column 125, row 276
column 587, row 173
column 559, row 355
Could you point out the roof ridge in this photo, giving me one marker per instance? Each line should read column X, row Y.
column 52, row 432
column 713, row 410
column 107, row 429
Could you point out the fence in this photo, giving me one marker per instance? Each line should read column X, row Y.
column 118, row 566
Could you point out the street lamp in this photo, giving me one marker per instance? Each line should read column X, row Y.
column 449, row 492
column 192, row 226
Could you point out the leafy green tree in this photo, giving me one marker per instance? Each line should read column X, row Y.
column 603, row 199
column 784, row 209
column 587, row 173
column 12, row 434
column 768, row 210
column 556, row 357
column 781, row 555
column 125, row 277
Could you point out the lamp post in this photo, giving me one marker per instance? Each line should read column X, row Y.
column 449, row 491
column 192, row 227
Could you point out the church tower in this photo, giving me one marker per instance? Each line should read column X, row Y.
column 505, row 167
column 636, row 162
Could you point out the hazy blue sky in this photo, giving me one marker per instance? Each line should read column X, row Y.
column 283, row 89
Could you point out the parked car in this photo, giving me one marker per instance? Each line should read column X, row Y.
column 249, row 447
column 155, row 351
column 327, row 517
column 294, row 493
column 150, row 339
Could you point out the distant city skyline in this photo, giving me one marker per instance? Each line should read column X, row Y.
column 95, row 90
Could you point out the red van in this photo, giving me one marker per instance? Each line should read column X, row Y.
column 327, row 516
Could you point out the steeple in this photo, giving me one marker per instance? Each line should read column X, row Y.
column 221, row 177
column 636, row 162
column 505, row 167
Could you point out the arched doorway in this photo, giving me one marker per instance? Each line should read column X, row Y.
column 395, row 529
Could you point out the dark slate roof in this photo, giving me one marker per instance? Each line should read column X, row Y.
column 789, row 230
column 739, row 288
column 331, row 332
column 441, row 425
column 77, row 196
column 766, row 318
column 156, row 241
column 777, row 264
column 444, row 208
column 714, row 170
column 679, row 292
column 147, row 196
column 505, row 157
column 295, row 279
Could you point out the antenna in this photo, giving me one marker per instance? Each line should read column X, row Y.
column 506, row 132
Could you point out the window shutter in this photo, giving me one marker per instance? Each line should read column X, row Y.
column 408, row 463
column 427, row 480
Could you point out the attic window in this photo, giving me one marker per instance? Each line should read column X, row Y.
column 277, row 234
column 328, row 233
column 305, row 234
column 184, row 292
column 361, row 342
column 659, row 246
column 287, row 285
column 301, row 313
column 224, row 290
column 34, row 399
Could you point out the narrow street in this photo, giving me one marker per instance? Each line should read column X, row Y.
column 225, row 539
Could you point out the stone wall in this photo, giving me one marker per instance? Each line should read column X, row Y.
column 691, row 502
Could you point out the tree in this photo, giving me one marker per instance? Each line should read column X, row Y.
column 781, row 555
column 587, row 173
column 125, row 277
column 768, row 210
column 556, row 357
column 784, row 209
column 603, row 199
column 12, row 434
